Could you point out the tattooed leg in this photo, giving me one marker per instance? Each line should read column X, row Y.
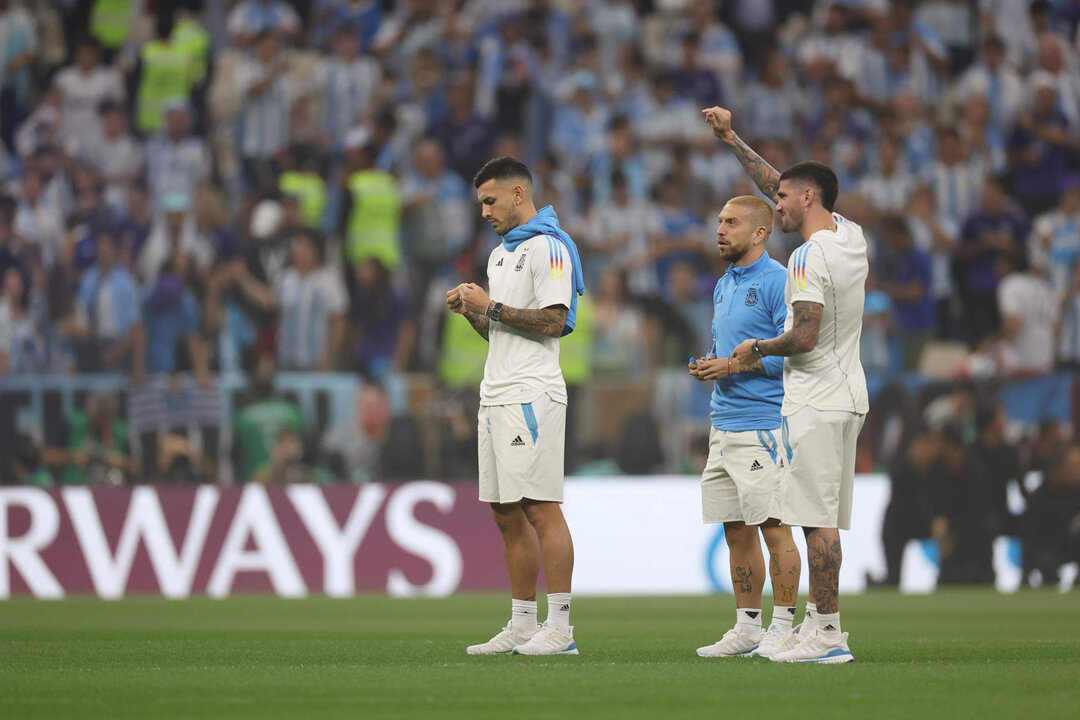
column 747, row 564
column 785, row 565
column 823, row 555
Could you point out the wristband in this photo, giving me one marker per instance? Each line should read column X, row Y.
column 495, row 311
column 729, row 367
column 755, row 349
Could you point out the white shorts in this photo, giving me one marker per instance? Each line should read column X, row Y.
column 743, row 478
column 821, row 467
column 521, row 451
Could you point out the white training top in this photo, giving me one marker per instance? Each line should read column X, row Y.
column 830, row 268
column 1029, row 298
column 522, row 366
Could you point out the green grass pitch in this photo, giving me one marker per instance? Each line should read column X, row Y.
column 973, row 654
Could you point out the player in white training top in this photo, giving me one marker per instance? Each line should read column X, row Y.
column 825, row 399
column 535, row 278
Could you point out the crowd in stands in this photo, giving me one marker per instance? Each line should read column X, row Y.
column 266, row 186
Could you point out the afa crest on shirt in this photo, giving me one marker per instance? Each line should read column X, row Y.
column 520, row 262
column 751, row 297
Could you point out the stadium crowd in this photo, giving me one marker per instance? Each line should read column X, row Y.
column 262, row 186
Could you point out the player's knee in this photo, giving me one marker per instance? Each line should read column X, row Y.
column 508, row 518
column 738, row 534
column 542, row 515
column 776, row 535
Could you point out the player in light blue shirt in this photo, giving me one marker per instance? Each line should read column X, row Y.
column 742, row 483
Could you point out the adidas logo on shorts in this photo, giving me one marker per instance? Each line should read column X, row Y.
column 517, row 441
column 756, row 466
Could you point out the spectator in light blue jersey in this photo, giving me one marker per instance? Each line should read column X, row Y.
column 742, row 483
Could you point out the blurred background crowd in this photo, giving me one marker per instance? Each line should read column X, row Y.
column 226, row 230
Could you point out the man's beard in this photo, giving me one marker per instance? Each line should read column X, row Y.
column 512, row 221
column 734, row 256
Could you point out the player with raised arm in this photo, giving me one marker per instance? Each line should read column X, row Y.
column 535, row 277
column 741, row 486
column 825, row 398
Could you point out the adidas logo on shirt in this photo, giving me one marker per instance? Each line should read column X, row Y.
column 517, row 441
column 756, row 466
column 499, row 264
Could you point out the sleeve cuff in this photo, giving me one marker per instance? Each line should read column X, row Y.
column 774, row 366
column 808, row 296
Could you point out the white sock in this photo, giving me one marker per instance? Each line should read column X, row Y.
column 783, row 616
column 523, row 615
column 749, row 619
column 559, row 611
column 810, row 619
column 829, row 624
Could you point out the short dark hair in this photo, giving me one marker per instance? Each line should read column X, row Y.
column 502, row 168
column 818, row 175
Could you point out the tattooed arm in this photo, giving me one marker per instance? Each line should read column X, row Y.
column 547, row 321
column 756, row 367
column 472, row 302
column 762, row 173
column 479, row 322
column 801, row 338
column 714, row 368
column 803, row 335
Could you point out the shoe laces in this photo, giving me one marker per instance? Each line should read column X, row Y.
column 732, row 633
column 505, row 631
column 775, row 634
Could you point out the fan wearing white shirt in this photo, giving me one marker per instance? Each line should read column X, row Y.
column 350, row 81
column 312, row 300
column 83, row 87
column 263, row 83
column 1028, row 316
column 825, row 396
column 888, row 188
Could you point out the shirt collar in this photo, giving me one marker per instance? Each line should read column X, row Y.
column 751, row 269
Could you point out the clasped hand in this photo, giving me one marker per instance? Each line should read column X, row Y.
column 714, row 368
column 466, row 298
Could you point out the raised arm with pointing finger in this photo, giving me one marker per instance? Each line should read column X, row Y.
column 762, row 173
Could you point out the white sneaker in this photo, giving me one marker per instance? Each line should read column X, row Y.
column 775, row 640
column 818, row 648
column 735, row 643
column 549, row 641
column 503, row 643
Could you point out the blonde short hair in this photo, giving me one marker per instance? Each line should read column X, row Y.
column 759, row 212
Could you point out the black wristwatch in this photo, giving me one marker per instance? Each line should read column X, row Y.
column 495, row 312
column 755, row 349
